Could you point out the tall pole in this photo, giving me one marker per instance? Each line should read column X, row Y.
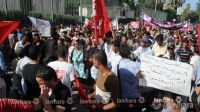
column 81, row 7
column 52, row 10
column 156, row 5
column 6, row 7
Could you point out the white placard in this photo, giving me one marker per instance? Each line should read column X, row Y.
column 166, row 75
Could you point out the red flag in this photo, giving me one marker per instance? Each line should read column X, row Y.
column 81, row 91
column 6, row 27
column 199, row 36
column 101, row 20
column 90, row 23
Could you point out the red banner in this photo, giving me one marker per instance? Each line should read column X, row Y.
column 101, row 20
column 6, row 27
column 199, row 36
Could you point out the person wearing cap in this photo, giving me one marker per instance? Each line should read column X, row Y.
column 170, row 52
column 144, row 49
column 159, row 48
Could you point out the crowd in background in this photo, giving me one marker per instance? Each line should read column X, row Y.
column 32, row 67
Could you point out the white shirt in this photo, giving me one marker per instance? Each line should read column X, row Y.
column 141, row 51
column 195, row 60
column 94, row 72
column 20, row 65
column 198, row 71
column 20, row 45
column 116, row 58
column 70, row 50
column 65, row 72
column 108, row 51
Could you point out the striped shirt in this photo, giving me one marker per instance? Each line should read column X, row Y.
column 184, row 55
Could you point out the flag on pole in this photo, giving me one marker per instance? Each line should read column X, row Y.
column 101, row 20
column 43, row 26
column 6, row 27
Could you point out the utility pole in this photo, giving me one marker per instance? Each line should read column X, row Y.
column 6, row 7
column 156, row 5
column 81, row 8
column 52, row 11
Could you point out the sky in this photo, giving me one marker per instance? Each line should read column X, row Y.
column 192, row 3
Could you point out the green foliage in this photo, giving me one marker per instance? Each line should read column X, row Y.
column 171, row 11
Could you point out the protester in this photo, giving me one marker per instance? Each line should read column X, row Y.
column 159, row 48
column 184, row 52
column 111, row 67
column 22, row 43
column 107, row 85
column 65, row 71
column 53, row 90
column 143, row 50
column 16, row 81
column 115, row 55
column 31, row 87
column 170, row 52
column 78, row 60
column 128, row 77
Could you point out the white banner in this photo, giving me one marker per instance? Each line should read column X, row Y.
column 166, row 75
column 43, row 26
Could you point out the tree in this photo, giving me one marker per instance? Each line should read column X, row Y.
column 186, row 12
column 198, row 9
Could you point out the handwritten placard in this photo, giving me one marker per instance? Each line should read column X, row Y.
column 166, row 75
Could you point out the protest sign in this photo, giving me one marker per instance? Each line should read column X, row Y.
column 166, row 75
column 43, row 26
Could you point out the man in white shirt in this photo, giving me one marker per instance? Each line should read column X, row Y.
column 22, row 43
column 65, row 71
column 144, row 49
column 22, row 62
column 116, row 58
column 20, row 65
column 107, row 48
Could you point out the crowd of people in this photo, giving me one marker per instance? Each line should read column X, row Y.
column 39, row 73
